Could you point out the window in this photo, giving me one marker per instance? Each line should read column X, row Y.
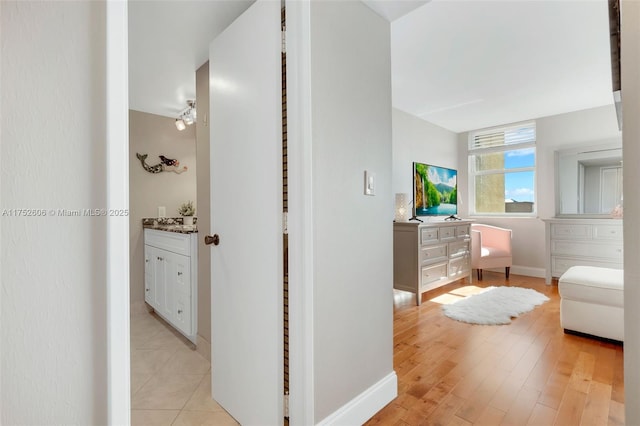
column 502, row 171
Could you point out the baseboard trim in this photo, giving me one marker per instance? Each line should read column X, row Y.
column 529, row 271
column 364, row 406
column 522, row 270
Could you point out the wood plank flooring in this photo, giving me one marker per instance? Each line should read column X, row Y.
column 526, row 373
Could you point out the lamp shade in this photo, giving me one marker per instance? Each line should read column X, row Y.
column 180, row 124
column 402, row 207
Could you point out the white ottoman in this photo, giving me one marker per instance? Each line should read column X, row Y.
column 592, row 301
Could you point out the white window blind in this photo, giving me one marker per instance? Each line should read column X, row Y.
column 515, row 135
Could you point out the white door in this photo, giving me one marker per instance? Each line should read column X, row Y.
column 610, row 188
column 246, row 213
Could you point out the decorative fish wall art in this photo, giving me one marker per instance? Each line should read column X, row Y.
column 165, row 165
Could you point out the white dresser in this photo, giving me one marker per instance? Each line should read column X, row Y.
column 429, row 255
column 171, row 277
column 585, row 242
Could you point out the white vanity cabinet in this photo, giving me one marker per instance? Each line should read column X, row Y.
column 429, row 255
column 170, row 276
column 582, row 242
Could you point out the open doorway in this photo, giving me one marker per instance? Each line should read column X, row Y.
column 168, row 53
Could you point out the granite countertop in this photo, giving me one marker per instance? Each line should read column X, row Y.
column 169, row 224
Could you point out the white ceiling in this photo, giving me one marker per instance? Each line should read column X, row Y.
column 168, row 42
column 471, row 64
column 459, row 64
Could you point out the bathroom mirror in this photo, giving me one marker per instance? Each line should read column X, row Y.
column 589, row 180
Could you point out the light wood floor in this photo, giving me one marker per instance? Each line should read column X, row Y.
column 526, row 373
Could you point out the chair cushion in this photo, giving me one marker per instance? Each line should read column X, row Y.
column 493, row 252
column 592, row 284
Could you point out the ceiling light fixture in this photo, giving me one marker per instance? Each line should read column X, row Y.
column 187, row 117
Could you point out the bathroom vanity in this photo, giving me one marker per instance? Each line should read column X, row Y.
column 171, row 275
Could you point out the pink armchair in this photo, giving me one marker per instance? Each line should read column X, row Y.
column 490, row 248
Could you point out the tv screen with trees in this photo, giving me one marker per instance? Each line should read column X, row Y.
column 435, row 190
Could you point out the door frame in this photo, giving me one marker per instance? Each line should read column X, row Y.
column 117, row 154
column 300, row 214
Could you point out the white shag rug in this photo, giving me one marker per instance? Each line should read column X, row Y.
column 495, row 305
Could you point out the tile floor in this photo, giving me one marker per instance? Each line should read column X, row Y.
column 170, row 382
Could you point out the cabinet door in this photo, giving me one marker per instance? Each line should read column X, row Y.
column 149, row 276
column 178, row 290
column 182, row 313
column 180, row 270
column 160, row 274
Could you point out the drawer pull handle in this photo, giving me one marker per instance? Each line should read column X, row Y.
column 179, row 273
column 179, row 311
column 146, row 289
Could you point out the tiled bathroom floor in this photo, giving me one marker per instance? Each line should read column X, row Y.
column 170, row 382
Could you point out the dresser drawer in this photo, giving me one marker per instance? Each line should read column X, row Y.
column 462, row 231
column 458, row 248
column 559, row 265
column 171, row 241
column 431, row 254
column 458, row 266
column 586, row 249
column 447, row 233
column 571, row 231
column 428, row 236
column 431, row 274
column 607, row 232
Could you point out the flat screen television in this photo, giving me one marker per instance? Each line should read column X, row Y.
column 435, row 190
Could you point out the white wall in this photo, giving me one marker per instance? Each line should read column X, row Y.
column 418, row 140
column 53, row 298
column 155, row 135
column 351, row 133
column 631, row 153
column 588, row 127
